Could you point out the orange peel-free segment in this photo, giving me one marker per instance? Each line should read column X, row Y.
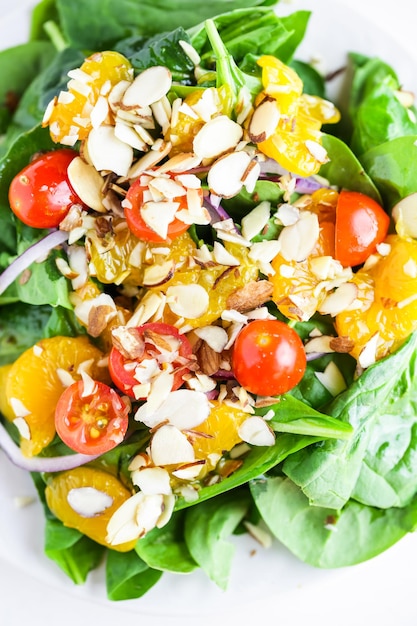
column 38, row 378
column 85, row 498
column 388, row 294
column 219, row 432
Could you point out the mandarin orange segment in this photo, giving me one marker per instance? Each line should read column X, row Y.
column 388, row 294
column 5, row 408
column 70, row 116
column 62, row 498
column 37, row 379
column 219, row 432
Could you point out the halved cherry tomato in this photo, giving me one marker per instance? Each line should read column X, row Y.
column 268, row 357
column 41, row 194
column 91, row 421
column 361, row 223
column 122, row 368
column 138, row 226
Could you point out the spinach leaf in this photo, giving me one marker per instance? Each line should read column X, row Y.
column 40, row 92
column 207, row 528
column 127, row 576
column 98, row 25
column 293, row 416
column 392, row 168
column 256, row 462
column 329, row 472
column 377, row 114
column 16, row 333
column 313, row 82
column 162, row 49
column 345, row 170
column 44, row 11
column 322, row 538
column 72, row 551
column 388, row 474
column 165, row 549
column 18, row 66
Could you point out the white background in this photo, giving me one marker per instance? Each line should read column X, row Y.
column 381, row 592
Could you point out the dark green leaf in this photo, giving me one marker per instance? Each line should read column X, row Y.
column 323, row 538
column 207, row 528
column 165, row 549
column 345, row 170
column 127, row 576
column 392, row 167
column 294, row 416
column 21, row 326
column 256, row 462
column 98, row 25
column 329, row 472
column 73, row 552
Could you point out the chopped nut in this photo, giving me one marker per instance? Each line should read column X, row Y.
column 250, row 296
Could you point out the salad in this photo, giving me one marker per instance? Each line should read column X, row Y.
column 208, row 310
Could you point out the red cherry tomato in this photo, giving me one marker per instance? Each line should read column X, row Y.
column 122, row 369
column 41, row 194
column 91, row 421
column 138, row 226
column 268, row 357
column 361, row 223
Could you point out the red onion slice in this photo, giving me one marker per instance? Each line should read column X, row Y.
column 40, row 464
column 36, row 251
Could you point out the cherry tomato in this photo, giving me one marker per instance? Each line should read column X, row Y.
column 268, row 357
column 361, row 223
column 41, row 194
column 122, row 369
column 91, row 421
column 138, row 226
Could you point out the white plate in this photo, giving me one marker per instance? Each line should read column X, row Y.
column 261, row 579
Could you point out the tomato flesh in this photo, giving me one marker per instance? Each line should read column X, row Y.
column 122, row 368
column 138, row 226
column 41, row 194
column 91, row 421
column 361, row 224
column 268, row 358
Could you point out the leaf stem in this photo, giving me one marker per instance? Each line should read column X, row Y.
column 55, row 35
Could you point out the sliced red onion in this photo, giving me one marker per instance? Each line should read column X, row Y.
column 40, row 464
column 36, row 251
column 271, row 170
column 312, row 356
column 217, row 212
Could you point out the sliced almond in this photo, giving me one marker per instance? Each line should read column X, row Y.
column 159, row 215
column 87, row 183
column 255, row 431
column 158, row 274
column 217, row 136
column 188, row 301
column 185, row 409
column 169, row 446
column 179, row 163
column 116, row 94
column 319, row 344
column 256, row 220
column 148, row 87
column 107, row 152
column 88, row 501
column 127, row 134
column 225, row 177
column 22, row 427
column 404, row 214
column 152, row 481
column 367, row 356
column 298, row 240
column 215, row 336
column 332, row 379
column 149, row 160
column 264, row 120
column 339, row 300
column 223, row 257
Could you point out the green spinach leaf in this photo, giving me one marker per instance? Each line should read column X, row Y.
column 207, row 528
column 127, row 576
column 165, row 549
column 329, row 472
column 323, row 538
column 72, row 551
